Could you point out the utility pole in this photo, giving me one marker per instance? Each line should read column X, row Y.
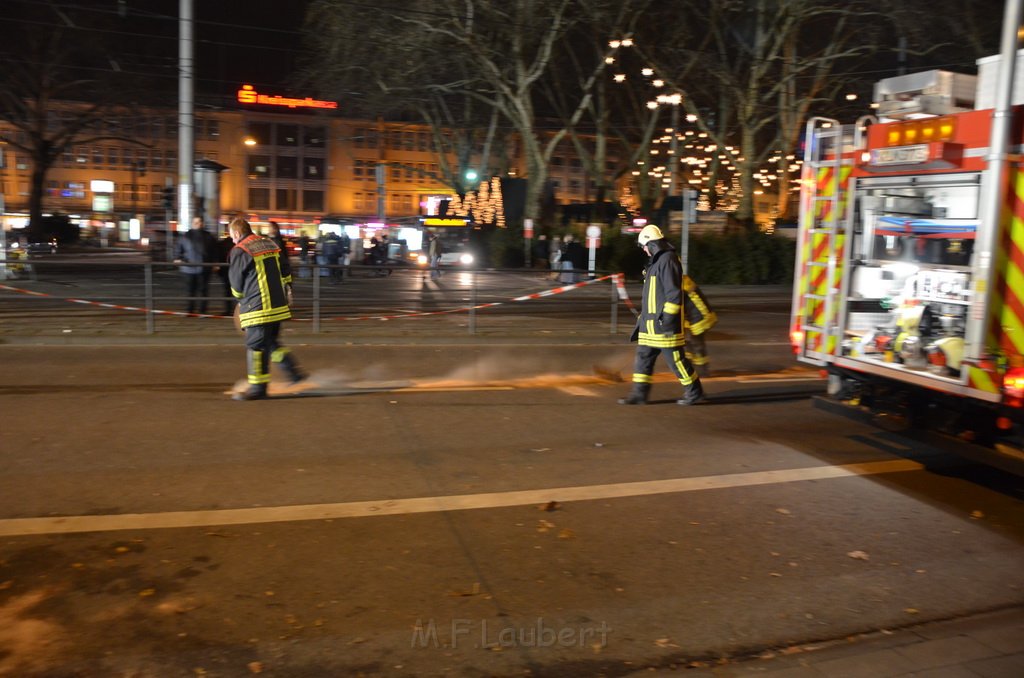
column 186, row 107
column 3, row 231
column 381, row 172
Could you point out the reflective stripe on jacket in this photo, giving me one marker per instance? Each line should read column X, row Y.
column 258, row 275
column 697, row 314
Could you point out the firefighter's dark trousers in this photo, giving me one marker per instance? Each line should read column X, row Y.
column 643, row 366
column 262, row 348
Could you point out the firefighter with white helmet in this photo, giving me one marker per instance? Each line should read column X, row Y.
column 659, row 327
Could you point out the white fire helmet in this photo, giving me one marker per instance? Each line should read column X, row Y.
column 648, row 234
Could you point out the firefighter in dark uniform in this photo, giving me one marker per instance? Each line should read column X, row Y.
column 698, row 318
column 659, row 327
column 261, row 281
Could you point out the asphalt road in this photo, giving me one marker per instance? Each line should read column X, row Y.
column 494, row 513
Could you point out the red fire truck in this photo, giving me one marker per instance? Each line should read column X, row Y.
column 909, row 283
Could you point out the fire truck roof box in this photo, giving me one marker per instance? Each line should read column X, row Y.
column 988, row 74
column 922, row 94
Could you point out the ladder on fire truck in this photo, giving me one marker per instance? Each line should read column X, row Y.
column 817, row 293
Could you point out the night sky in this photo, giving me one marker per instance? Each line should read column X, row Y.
column 255, row 41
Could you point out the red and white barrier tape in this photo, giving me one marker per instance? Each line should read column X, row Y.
column 119, row 307
column 525, row 297
column 617, row 277
column 620, row 286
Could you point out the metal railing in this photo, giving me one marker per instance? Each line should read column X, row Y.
column 324, row 294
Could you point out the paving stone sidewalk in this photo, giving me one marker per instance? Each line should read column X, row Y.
column 989, row 645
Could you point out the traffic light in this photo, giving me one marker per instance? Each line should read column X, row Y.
column 167, row 198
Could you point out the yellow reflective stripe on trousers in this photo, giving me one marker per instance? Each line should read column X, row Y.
column 256, row 374
column 697, row 359
column 687, row 377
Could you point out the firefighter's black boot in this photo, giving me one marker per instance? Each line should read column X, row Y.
column 254, row 392
column 693, row 394
column 291, row 367
column 638, row 396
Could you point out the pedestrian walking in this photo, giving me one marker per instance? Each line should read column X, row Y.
column 574, row 258
column 555, row 256
column 304, row 255
column 434, row 251
column 330, row 249
column 196, row 248
column 261, row 281
column 346, row 254
column 659, row 327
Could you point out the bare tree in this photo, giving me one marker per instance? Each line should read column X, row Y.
column 419, row 77
column 56, row 92
column 616, row 124
column 494, row 53
column 765, row 64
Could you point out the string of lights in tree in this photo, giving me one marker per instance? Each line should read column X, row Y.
column 485, row 205
column 697, row 153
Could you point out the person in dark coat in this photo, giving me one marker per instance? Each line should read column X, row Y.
column 330, row 247
column 574, row 259
column 195, row 248
column 274, row 233
column 659, row 327
column 224, row 246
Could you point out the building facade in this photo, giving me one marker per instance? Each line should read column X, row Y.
column 288, row 160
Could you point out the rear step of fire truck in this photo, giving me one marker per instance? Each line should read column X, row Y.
column 1003, row 455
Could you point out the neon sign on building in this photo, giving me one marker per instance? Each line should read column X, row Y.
column 248, row 95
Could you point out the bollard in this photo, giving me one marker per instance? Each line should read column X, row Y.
column 615, row 303
column 316, row 299
column 472, row 301
column 150, row 316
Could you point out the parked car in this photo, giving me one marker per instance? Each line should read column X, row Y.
column 43, row 247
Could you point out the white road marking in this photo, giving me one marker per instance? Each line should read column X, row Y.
column 577, row 391
column 459, row 502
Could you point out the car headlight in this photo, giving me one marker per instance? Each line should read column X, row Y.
column 466, row 258
column 422, row 260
